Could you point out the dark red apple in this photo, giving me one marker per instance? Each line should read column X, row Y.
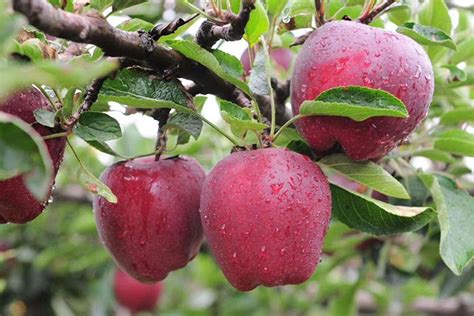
column 17, row 204
column 136, row 296
column 344, row 53
column 282, row 57
column 265, row 214
column 155, row 227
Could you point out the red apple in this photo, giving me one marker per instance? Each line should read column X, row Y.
column 344, row 53
column 282, row 57
column 136, row 296
column 265, row 214
column 17, row 204
column 155, row 227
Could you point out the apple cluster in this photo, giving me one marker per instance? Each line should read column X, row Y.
column 263, row 212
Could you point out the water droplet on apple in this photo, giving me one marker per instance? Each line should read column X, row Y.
column 276, row 187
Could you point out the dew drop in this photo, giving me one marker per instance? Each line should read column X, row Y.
column 276, row 187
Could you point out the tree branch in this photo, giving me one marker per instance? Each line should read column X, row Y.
column 92, row 94
column 139, row 46
column 368, row 18
column 209, row 33
column 162, row 116
column 319, row 12
column 281, row 94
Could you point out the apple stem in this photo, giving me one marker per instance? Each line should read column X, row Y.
column 162, row 116
column 319, row 12
column 288, row 123
column 368, row 17
column 368, row 7
column 270, row 87
column 57, row 135
column 219, row 130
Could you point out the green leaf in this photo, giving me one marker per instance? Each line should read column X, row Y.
column 367, row 173
column 458, row 116
column 140, row 89
column 63, row 5
column 30, row 48
column 195, row 52
column 186, row 122
column 300, row 147
column 23, row 151
column 275, row 7
column 465, row 51
column 97, row 126
column 10, row 25
column 456, row 220
column 436, row 13
column 375, row 217
column 258, row 23
column 456, row 142
column 258, row 82
column 134, row 25
column 456, row 74
column 230, row 64
column 105, row 148
column 239, row 120
column 199, row 102
column 400, row 14
column 100, row 5
column 357, row 103
column 45, row 117
column 426, row 35
column 94, row 185
column 123, row 4
column 435, row 154
column 54, row 74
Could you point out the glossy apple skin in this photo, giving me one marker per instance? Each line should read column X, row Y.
column 281, row 56
column 344, row 53
column 265, row 214
column 155, row 226
column 134, row 295
column 17, row 204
